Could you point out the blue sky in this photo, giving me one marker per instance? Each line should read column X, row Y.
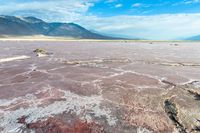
column 144, row 7
column 151, row 19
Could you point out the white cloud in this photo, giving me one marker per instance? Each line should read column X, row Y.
column 137, row 5
column 111, row 1
column 191, row 1
column 60, row 10
column 168, row 26
column 118, row 5
column 186, row 2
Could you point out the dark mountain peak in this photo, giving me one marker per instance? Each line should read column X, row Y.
column 76, row 25
column 20, row 19
column 32, row 20
column 73, row 24
column 10, row 18
column 7, row 17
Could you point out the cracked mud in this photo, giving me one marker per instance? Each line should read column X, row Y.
column 99, row 87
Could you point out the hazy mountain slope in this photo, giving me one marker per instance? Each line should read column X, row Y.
column 26, row 26
column 194, row 38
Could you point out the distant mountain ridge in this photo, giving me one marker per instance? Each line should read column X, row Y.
column 194, row 38
column 28, row 26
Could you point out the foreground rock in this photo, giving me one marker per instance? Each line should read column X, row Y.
column 41, row 52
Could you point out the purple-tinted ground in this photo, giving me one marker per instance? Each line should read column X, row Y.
column 94, row 87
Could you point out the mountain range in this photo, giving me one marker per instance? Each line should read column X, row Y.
column 194, row 38
column 29, row 26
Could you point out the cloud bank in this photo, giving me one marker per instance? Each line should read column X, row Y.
column 167, row 26
column 50, row 10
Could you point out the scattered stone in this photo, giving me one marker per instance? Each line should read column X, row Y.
column 196, row 128
column 175, row 44
column 41, row 52
column 22, row 120
column 178, row 64
column 168, row 83
column 195, row 94
column 38, row 50
column 194, row 84
column 98, row 61
column 172, row 112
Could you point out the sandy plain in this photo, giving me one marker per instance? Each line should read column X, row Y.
column 99, row 87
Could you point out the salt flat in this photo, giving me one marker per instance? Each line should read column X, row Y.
column 112, row 87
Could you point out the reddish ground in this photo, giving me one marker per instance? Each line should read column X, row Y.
column 52, row 125
column 97, row 87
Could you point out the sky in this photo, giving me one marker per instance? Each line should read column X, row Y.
column 146, row 19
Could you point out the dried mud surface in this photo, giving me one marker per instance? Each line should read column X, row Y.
column 100, row 87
